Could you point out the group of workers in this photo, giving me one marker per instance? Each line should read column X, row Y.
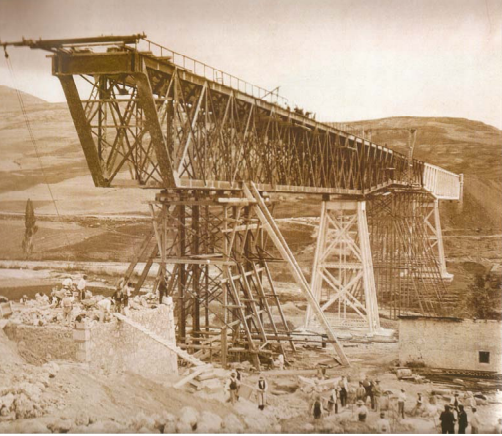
column 76, row 291
column 234, row 385
column 455, row 414
column 368, row 395
column 118, row 302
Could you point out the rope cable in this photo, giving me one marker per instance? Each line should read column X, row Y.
column 34, row 142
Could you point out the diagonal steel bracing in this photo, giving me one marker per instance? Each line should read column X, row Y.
column 342, row 272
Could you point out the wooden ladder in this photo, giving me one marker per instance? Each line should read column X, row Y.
column 275, row 234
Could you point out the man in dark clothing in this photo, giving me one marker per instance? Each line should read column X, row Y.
column 317, row 408
column 233, row 386
column 462, row 419
column 447, row 421
column 343, row 385
column 162, row 290
column 367, row 384
column 262, row 392
column 239, row 379
column 118, row 297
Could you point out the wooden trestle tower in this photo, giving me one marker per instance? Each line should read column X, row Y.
column 213, row 146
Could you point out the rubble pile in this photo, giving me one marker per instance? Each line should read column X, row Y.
column 24, row 395
column 39, row 312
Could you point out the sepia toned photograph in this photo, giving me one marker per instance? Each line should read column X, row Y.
column 251, row 216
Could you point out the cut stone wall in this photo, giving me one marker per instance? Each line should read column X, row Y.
column 117, row 347
column 451, row 343
column 38, row 345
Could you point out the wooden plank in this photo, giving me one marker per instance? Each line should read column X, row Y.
column 276, row 236
column 190, row 377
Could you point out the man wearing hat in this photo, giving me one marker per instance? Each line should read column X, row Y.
column 377, row 393
column 447, row 421
column 262, row 392
column 361, row 411
column 67, row 304
column 383, row 424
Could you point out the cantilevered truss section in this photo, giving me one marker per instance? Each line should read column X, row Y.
column 168, row 121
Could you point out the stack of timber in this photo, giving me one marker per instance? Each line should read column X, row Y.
column 200, row 378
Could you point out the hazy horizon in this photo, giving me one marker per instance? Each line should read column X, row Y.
column 343, row 60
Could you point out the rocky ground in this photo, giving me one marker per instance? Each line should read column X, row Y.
column 63, row 396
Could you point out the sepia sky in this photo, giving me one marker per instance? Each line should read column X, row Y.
column 344, row 60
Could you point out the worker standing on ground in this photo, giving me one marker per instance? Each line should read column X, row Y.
column 447, row 421
column 400, row 403
column 371, row 395
column 360, row 392
column 417, row 410
column 474, row 421
column 127, row 294
column 462, row 419
column 333, row 400
column 361, row 411
column 162, row 290
column 239, row 379
column 343, row 390
column 67, row 304
column 367, row 387
column 454, row 403
column 280, row 361
column 262, row 392
column 377, row 393
column 233, row 387
column 82, row 284
column 383, row 424
column 317, row 408
column 118, row 297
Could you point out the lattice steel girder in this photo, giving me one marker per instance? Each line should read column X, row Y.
column 220, row 137
column 435, row 235
column 321, row 158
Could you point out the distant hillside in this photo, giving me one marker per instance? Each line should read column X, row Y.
column 57, row 142
column 9, row 100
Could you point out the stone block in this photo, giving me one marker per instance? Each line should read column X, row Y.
column 83, row 356
column 81, row 335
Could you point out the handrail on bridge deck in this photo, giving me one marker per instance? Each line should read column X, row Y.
column 214, row 74
column 444, row 184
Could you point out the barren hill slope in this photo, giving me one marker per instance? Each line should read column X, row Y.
column 9, row 99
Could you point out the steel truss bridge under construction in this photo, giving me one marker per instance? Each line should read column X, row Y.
column 218, row 149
